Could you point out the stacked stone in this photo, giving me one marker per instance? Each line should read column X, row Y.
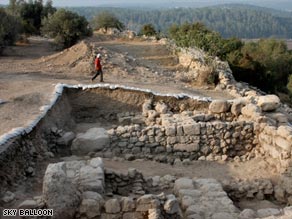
column 124, row 184
column 277, row 142
column 183, row 139
column 77, row 182
column 147, row 206
column 159, row 183
column 283, row 191
column 204, row 199
column 128, row 118
column 258, row 189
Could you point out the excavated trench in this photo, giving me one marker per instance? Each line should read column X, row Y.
column 173, row 136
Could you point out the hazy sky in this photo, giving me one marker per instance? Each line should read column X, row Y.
column 284, row 4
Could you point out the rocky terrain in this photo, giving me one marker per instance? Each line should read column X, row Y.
column 161, row 144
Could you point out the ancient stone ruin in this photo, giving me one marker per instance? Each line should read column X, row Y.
column 85, row 124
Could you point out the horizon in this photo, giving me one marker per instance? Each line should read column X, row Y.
column 279, row 5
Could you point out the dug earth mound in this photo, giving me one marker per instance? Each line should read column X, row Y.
column 114, row 151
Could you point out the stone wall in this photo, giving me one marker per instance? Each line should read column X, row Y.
column 183, row 140
column 125, row 184
column 272, row 120
column 18, row 156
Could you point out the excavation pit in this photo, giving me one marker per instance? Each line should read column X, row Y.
column 159, row 135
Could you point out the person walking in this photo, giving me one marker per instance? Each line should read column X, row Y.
column 98, row 68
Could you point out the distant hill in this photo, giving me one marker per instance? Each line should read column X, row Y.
column 243, row 21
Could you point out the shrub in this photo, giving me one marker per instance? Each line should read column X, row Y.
column 66, row 28
column 106, row 20
column 9, row 29
column 148, row 30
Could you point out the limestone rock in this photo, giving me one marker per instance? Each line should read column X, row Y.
column 66, row 139
column 268, row 212
column 222, row 215
column 56, row 183
column 219, row 106
column 91, row 179
column 237, row 106
column 171, row 206
column 191, row 129
column 146, row 202
column 192, row 147
column 112, row 206
column 128, row 204
column 95, row 139
column 133, row 215
column 154, row 214
column 183, row 183
column 268, row 102
column 147, row 105
column 161, row 108
column 91, row 208
column 251, row 110
column 279, row 194
column 247, row 214
column 284, row 131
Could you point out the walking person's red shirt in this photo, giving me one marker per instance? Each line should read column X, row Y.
column 97, row 64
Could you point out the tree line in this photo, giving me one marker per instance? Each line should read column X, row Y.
column 229, row 20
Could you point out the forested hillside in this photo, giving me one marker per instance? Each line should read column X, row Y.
column 230, row 20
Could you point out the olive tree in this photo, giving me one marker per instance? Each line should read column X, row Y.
column 66, row 27
column 9, row 29
column 107, row 20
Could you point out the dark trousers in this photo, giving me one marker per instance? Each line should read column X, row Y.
column 98, row 72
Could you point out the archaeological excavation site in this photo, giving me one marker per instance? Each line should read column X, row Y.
column 105, row 151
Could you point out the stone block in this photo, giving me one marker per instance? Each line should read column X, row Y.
column 284, row 131
column 192, row 147
column 128, row 204
column 171, row 206
column 91, row 208
column 195, row 209
column 144, row 207
column 187, row 201
column 247, row 214
column 171, row 140
column 283, row 143
column 191, row 129
column 66, row 139
column 222, row 215
column 134, row 215
column 268, row 212
column 95, row 139
column 170, row 130
column 91, row 179
column 183, row 183
column 110, row 216
column 251, row 110
column 272, row 150
column 112, row 206
column 265, row 138
column 279, row 117
column 219, row 106
column 161, row 108
column 268, row 102
column 55, row 183
column 237, row 106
